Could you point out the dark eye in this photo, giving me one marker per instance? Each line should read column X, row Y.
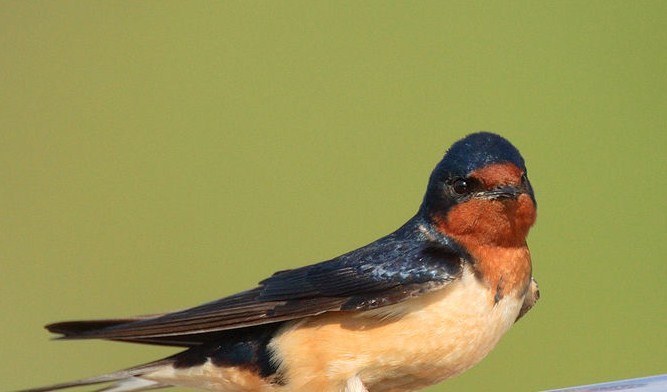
column 461, row 186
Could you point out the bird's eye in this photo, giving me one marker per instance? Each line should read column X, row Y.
column 460, row 186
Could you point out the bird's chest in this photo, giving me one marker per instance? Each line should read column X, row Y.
column 454, row 330
column 401, row 347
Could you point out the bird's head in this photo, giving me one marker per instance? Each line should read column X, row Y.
column 479, row 194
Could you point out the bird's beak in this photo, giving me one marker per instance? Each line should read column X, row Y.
column 503, row 192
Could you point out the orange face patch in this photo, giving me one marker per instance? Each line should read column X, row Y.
column 494, row 231
column 478, row 222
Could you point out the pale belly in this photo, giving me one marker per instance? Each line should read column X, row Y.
column 419, row 343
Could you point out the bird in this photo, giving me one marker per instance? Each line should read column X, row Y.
column 411, row 309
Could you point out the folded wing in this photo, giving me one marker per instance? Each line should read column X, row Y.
column 397, row 267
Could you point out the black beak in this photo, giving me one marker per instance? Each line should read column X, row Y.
column 503, row 192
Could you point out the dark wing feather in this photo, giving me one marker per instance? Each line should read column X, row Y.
column 402, row 265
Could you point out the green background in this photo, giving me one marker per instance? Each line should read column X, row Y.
column 156, row 155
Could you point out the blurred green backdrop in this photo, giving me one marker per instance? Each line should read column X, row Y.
column 156, row 155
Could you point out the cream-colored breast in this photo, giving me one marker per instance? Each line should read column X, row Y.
column 402, row 347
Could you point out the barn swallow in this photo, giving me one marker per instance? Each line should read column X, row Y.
column 411, row 309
